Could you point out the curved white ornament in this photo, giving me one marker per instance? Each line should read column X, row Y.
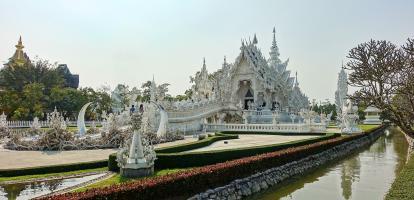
column 162, row 128
column 81, row 120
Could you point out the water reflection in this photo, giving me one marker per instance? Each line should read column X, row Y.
column 367, row 174
column 35, row 189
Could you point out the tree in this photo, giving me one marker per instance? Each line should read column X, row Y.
column 383, row 74
column 39, row 71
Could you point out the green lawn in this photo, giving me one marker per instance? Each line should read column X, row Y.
column 118, row 179
column 367, row 127
column 38, row 176
column 402, row 188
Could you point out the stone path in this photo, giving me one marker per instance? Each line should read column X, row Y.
column 251, row 141
column 21, row 159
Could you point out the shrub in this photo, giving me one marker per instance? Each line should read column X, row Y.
column 199, row 179
column 167, row 160
column 53, row 168
column 201, row 137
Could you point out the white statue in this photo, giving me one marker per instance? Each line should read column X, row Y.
column 292, row 117
column 35, row 127
column 137, row 158
column 350, row 118
column 3, row 121
column 56, row 120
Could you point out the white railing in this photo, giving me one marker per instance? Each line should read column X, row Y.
column 282, row 128
column 193, row 111
column 27, row 124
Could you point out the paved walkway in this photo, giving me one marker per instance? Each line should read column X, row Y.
column 252, row 141
column 21, row 159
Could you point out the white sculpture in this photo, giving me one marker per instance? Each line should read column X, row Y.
column 4, row 128
column 56, row 120
column 81, row 120
column 292, row 117
column 137, row 158
column 350, row 118
column 341, row 91
column 3, row 121
column 35, row 124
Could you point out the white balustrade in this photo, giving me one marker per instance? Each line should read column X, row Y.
column 282, row 128
column 27, row 124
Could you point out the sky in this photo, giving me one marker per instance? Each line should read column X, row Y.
column 129, row 42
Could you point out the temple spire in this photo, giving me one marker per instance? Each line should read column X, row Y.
column 19, row 57
column 153, row 90
column 296, row 82
column 274, row 51
column 255, row 39
column 204, row 63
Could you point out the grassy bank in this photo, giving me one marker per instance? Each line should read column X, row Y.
column 402, row 188
column 49, row 175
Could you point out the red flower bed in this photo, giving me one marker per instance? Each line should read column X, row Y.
column 184, row 184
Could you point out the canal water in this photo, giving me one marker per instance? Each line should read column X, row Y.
column 36, row 189
column 365, row 175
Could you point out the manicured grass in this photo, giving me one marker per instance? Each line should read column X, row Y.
column 118, row 179
column 367, row 127
column 38, row 176
column 402, row 188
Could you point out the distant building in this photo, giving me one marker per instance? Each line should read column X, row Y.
column 71, row 80
column 20, row 58
column 372, row 115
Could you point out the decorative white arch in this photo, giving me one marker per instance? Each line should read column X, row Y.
column 81, row 120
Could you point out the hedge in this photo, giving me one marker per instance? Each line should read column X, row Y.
column 184, row 184
column 113, row 164
column 53, row 168
column 197, row 144
column 196, row 159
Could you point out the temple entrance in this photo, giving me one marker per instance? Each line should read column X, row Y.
column 248, row 100
column 245, row 94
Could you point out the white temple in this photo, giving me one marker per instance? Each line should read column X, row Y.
column 253, row 93
column 252, row 81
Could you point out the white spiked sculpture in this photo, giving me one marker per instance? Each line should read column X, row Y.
column 349, row 119
column 81, row 120
column 137, row 160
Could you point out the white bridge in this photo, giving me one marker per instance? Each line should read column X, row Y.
column 280, row 128
column 192, row 117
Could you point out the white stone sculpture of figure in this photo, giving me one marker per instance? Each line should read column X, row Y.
column 3, row 121
column 35, row 126
column 292, row 117
column 245, row 115
column 350, row 118
column 81, row 119
column 274, row 117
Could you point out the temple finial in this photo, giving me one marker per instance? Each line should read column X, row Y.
column 296, row 82
column 225, row 60
column 255, row 39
